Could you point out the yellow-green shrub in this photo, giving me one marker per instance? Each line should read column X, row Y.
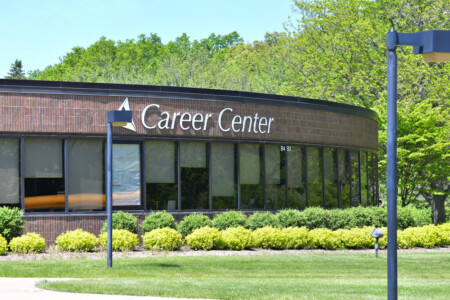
column 268, row 238
column 76, row 240
column 237, row 238
column 3, row 245
column 356, row 238
column 295, row 237
column 444, row 233
column 324, row 238
column 426, row 237
column 162, row 239
column 204, row 238
column 122, row 240
column 28, row 243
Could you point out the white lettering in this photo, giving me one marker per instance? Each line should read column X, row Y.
column 143, row 116
column 184, row 119
column 194, row 120
column 220, row 119
column 165, row 121
column 236, row 122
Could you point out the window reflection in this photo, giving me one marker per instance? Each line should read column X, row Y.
column 331, row 184
column 297, row 177
column 314, row 160
column 9, row 174
column 275, row 177
column 223, row 177
column 355, row 196
column 344, row 177
column 251, row 176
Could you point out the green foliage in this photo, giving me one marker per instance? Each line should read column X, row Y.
column 296, row 237
column 192, row 222
column 315, row 217
column 167, row 239
column 76, row 240
column 3, row 245
column 268, row 238
column 289, row 218
column 11, row 223
column 427, row 236
column 28, row 243
column 229, row 219
column 260, row 220
column 157, row 220
column 122, row 240
column 122, row 220
column 360, row 216
column 235, row 238
column 324, row 238
column 204, row 238
column 16, row 71
column 356, row 238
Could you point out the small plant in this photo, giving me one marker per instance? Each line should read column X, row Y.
column 76, row 240
column 3, row 245
column 235, row 238
column 158, row 220
column 28, row 243
column 324, row 239
column 268, row 238
column 260, row 220
column 162, row 239
column 122, row 220
column 295, row 237
column 204, row 238
column 289, row 218
column 356, row 238
column 122, row 240
column 192, row 222
column 11, row 223
column 230, row 219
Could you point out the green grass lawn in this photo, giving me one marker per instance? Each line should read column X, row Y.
column 421, row 275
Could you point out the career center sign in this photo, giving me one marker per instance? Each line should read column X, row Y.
column 200, row 121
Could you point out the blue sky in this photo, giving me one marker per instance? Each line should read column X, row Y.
column 39, row 32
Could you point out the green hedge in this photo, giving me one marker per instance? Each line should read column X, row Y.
column 11, row 223
column 122, row 220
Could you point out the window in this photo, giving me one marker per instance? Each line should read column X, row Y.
column 331, row 176
column 86, row 175
column 161, row 175
column 9, row 174
column 297, row 177
column 344, row 177
column 275, row 177
column 315, row 185
column 252, row 195
column 223, row 177
column 194, row 175
column 43, row 172
column 355, row 195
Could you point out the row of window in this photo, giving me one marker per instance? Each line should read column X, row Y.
column 69, row 175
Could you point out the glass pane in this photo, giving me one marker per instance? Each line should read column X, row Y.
column 9, row 175
column 251, row 176
column 223, row 164
column 296, row 177
column 355, row 199
column 161, row 179
column 43, row 158
column 43, row 172
column 344, row 177
column 86, row 173
column 371, row 175
column 364, row 184
column 331, row 185
column 194, row 176
column 314, row 159
column 275, row 177
column 126, row 175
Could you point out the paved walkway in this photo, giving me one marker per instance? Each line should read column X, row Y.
column 25, row 289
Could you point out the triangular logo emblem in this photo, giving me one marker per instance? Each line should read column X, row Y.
column 126, row 106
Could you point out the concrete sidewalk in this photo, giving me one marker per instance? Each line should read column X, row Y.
column 25, row 289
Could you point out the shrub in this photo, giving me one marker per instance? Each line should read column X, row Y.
column 192, row 222
column 76, row 240
column 122, row 220
column 315, row 217
column 28, row 243
column 260, row 220
column 296, row 238
column 3, row 245
column 162, row 239
column 360, row 216
column 289, row 218
column 379, row 217
column 204, row 238
column 268, row 238
column 158, row 220
column 11, row 223
column 338, row 219
column 324, row 238
column 410, row 216
column 444, row 233
column 356, row 238
column 230, row 219
column 122, row 240
column 235, row 238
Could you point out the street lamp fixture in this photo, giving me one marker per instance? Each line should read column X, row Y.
column 115, row 118
column 434, row 45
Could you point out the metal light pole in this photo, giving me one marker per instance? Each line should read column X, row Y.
column 434, row 45
column 115, row 118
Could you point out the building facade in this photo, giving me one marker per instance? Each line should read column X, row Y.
column 186, row 150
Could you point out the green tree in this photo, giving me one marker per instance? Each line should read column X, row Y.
column 16, row 70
